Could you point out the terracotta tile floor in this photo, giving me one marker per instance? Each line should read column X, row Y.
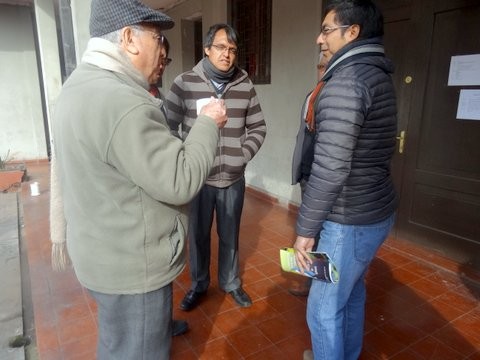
column 416, row 309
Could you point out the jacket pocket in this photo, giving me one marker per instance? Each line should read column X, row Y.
column 235, row 155
column 176, row 238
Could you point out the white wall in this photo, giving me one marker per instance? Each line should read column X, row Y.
column 80, row 21
column 294, row 59
column 185, row 11
column 49, row 55
column 21, row 116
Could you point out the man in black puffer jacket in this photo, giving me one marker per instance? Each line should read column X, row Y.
column 349, row 196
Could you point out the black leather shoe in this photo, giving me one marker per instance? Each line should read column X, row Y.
column 191, row 300
column 241, row 297
column 179, row 327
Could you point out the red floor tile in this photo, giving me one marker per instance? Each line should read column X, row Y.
column 419, row 305
column 249, row 341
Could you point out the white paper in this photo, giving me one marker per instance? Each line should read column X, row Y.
column 201, row 103
column 464, row 70
column 469, row 105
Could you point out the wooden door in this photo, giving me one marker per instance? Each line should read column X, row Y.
column 440, row 168
column 398, row 28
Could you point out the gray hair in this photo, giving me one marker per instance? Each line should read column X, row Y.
column 115, row 36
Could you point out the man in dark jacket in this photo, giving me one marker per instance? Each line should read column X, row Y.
column 349, row 196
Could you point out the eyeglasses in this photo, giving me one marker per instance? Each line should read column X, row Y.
column 159, row 37
column 165, row 61
column 223, row 48
column 328, row 30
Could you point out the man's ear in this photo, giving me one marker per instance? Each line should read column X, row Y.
column 352, row 32
column 129, row 41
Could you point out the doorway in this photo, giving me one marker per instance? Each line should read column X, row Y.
column 437, row 173
column 192, row 42
column 22, row 117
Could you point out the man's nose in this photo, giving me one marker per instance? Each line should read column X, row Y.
column 320, row 39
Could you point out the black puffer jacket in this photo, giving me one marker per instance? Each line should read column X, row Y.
column 350, row 181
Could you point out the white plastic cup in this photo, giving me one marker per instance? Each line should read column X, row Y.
column 34, row 190
column 201, row 103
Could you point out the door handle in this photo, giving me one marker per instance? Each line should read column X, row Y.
column 401, row 140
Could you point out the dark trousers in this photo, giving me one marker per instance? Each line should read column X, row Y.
column 227, row 203
column 134, row 326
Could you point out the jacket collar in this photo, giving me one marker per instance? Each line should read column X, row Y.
column 109, row 56
column 355, row 49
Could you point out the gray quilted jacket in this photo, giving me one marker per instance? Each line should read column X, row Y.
column 350, row 180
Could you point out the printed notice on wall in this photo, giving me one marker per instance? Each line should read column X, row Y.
column 469, row 105
column 464, row 70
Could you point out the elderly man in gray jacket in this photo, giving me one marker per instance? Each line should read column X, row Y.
column 126, row 180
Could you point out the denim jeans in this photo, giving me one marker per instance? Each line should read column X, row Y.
column 335, row 312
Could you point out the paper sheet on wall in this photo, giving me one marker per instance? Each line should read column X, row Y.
column 464, row 70
column 469, row 105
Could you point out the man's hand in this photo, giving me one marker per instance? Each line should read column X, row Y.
column 217, row 110
column 301, row 246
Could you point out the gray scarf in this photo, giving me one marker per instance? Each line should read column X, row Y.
column 219, row 78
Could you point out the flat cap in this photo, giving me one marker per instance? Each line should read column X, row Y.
column 110, row 15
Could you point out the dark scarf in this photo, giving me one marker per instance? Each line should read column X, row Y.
column 220, row 77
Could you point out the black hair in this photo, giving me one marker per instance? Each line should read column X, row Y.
column 232, row 35
column 361, row 12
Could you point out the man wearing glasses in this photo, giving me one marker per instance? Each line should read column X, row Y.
column 126, row 180
column 217, row 75
column 349, row 197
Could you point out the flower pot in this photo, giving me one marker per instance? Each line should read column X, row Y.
column 11, row 177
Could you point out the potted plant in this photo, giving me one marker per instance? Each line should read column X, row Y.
column 11, row 173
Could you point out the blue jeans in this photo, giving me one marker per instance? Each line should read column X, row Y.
column 335, row 312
